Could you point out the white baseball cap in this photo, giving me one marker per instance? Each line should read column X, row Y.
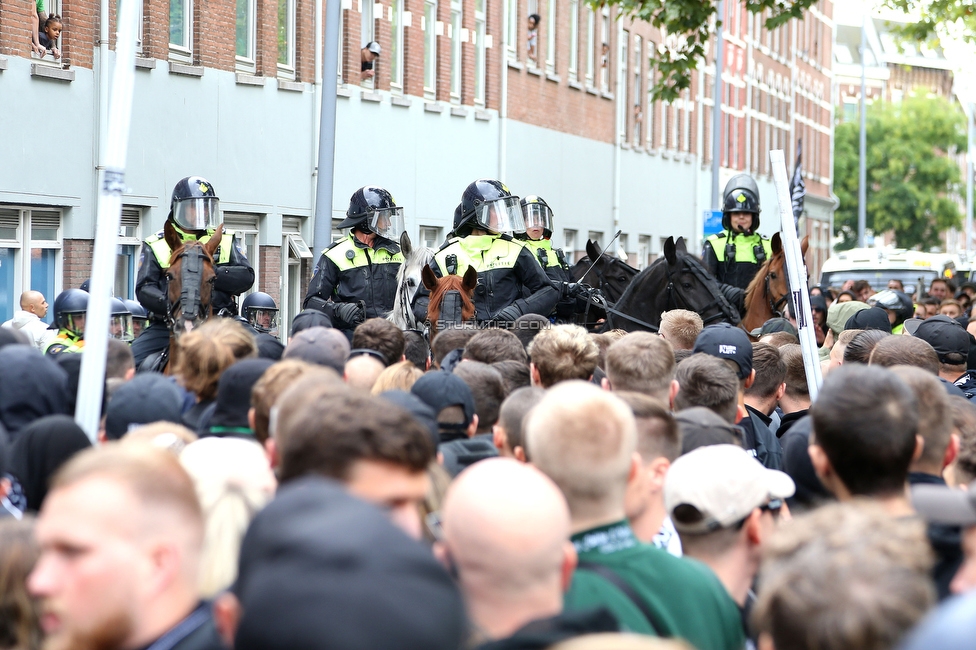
column 722, row 484
column 374, row 47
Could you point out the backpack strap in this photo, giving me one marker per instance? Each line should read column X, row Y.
column 614, row 578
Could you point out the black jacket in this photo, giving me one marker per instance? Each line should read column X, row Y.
column 547, row 632
column 195, row 632
column 946, row 541
column 373, row 283
column 758, row 438
column 233, row 278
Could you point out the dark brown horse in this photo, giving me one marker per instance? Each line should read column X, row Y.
column 451, row 298
column 769, row 292
column 190, row 278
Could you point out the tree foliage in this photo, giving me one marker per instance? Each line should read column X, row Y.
column 687, row 26
column 933, row 19
column 913, row 183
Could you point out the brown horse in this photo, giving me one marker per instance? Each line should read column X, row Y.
column 451, row 298
column 769, row 292
column 190, row 279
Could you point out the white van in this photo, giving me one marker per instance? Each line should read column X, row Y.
column 879, row 265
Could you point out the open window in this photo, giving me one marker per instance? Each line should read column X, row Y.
column 130, row 244
column 296, row 257
column 30, row 255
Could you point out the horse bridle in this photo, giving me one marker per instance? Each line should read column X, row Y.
column 189, row 303
column 718, row 300
column 411, row 318
column 775, row 306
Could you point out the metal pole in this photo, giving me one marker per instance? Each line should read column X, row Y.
column 112, row 185
column 969, row 181
column 862, row 186
column 717, row 109
column 327, row 126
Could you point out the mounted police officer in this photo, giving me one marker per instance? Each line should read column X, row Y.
column 510, row 280
column 70, row 308
column 537, row 237
column 356, row 277
column 734, row 255
column 194, row 213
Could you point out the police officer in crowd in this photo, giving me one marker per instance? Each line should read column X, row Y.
column 120, row 322
column 70, row 308
column 356, row 277
column 194, row 213
column 260, row 312
column 734, row 255
column 510, row 280
column 537, row 237
column 140, row 317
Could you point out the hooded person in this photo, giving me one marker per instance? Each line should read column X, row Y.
column 229, row 415
column 320, row 568
column 149, row 397
column 31, row 387
column 40, row 450
column 840, row 312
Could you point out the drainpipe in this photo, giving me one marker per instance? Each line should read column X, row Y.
column 101, row 110
column 317, row 102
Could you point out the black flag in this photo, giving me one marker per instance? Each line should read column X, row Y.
column 798, row 189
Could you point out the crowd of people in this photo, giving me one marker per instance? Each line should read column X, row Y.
column 537, row 486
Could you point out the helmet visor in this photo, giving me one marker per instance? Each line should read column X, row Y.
column 197, row 213
column 120, row 327
column 537, row 215
column 500, row 216
column 73, row 322
column 386, row 223
column 264, row 320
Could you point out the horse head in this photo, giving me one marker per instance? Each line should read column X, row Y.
column 451, row 298
column 609, row 274
column 190, row 278
column 769, row 291
column 408, row 282
column 675, row 281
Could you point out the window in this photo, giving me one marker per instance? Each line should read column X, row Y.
column 180, row 27
column 569, row 245
column 295, row 258
column 622, row 104
column 605, row 49
column 455, row 36
column 651, row 106
column 638, row 92
column 551, row 36
column 590, row 45
column 367, row 27
column 337, row 233
column 689, row 106
column 573, row 40
column 430, row 46
column 512, row 37
column 54, row 7
column 245, row 35
column 286, row 37
column 396, row 43
column 595, row 237
column 430, row 236
column 30, row 256
column 480, row 52
column 622, row 248
column 245, row 226
column 130, row 243
column 643, row 252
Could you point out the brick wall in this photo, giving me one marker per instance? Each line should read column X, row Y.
column 15, row 29
column 270, row 280
column 77, row 40
column 77, row 256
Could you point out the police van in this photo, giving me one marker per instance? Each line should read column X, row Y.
column 879, row 265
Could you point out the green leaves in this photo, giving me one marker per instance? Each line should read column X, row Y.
column 912, row 180
column 688, row 25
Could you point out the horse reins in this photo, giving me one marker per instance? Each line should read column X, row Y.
column 774, row 306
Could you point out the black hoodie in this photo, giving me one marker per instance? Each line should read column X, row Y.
column 31, row 387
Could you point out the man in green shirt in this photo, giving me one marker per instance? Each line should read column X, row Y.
column 585, row 440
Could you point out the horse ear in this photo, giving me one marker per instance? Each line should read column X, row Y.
column 593, row 250
column 405, row 246
column 670, row 251
column 776, row 244
column 428, row 277
column 804, row 244
column 680, row 245
column 470, row 280
column 214, row 242
column 171, row 237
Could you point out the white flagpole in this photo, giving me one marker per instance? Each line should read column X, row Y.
column 797, row 271
column 111, row 187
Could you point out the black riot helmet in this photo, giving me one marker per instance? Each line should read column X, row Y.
column 195, row 206
column 69, row 311
column 260, row 311
column 741, row 195
column 489, row 205
column 120, row 322
column 898, row 302
column 537, row 214
column 372, row 209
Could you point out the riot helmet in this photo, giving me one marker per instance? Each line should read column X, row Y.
column 261, row 312
column 894, row 301
column 140, row 317
column 741, row 195
column 489, row 205
column 86, row 285
column 537, row 214
column 120, row 322
column 69, row 311
column 195, row 205
column 373, row 210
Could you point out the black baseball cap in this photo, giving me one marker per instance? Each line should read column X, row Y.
column 874, row 318
column 439, row 389
column 774, row 325
column 946, row 335
column 727, row 342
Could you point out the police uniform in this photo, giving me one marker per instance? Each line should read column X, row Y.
column 734, row 258
column 65, row 343
column 553, row 262
column 349, row 271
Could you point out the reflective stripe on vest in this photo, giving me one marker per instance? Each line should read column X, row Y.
column 162, row 250
column 744, row 245
column 339, row 254
column 483, row 252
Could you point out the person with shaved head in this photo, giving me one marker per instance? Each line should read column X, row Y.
column 512, row 554
column 585, row 440
column 27, row 319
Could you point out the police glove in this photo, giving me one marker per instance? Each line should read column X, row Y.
column 351, row 313
column 508, row 314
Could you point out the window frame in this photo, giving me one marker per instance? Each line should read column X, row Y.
column 638, row 100
column 606, row 36
column 552, row 7
column 182, row 52
column 512, row 37
column 287, row 69
column 395, row 14
column 623, row 103
column 480, row 52
column 24, row 244
column 247, row 62
column 590, row 47
column 425, row 233
column 457, row 58
column 244, row 225
column 430, row 48
column 573, row 69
